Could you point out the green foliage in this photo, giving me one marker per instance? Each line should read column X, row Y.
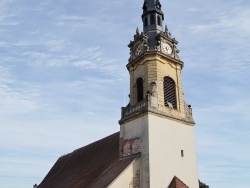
column 203, row 185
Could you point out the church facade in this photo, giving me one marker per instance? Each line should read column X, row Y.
column 155, row 147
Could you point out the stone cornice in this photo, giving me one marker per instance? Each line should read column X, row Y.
column 152, row 55
column 151, row 110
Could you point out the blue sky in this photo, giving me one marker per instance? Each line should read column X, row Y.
column 63, row 80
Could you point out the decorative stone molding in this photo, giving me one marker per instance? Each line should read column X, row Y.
column 129, row 147
column 126, row 149
column 136, row 146
column 136, row 180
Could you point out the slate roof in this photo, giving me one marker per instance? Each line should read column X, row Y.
column 177, row 183
column 95, row 165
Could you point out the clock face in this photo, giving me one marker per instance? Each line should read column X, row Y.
column 166, row 48
column 138, row 50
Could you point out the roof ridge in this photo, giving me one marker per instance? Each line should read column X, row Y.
column 175, row 182
column 87, row 166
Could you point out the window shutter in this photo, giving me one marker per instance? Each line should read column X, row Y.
column 169, row 92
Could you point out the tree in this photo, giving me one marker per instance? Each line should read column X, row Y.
column 203, row 185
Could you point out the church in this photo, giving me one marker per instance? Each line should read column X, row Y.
column 155, row 147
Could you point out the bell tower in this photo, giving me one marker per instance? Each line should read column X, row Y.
column 157, row 121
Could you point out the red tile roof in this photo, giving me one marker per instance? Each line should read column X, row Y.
column 95, row 165
column 177, row 183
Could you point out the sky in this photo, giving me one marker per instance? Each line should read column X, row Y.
column 63, row 81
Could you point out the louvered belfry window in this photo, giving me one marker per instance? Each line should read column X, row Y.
column 169, row 92
column 139, row 84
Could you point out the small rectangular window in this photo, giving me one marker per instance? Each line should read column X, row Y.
column 182, row 153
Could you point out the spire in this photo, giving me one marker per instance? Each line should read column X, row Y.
column 155, row 37
column 152, row 18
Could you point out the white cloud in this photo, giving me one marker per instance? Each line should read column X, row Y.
column 6, row 16
column 233, row 22
column 84, row 64
column 24, row 43
column 90, row 58
column 55, row 45
column 71, row 17
column 224, row 37
column 18, row 100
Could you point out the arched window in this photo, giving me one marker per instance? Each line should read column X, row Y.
column 152, row 19
column 159, row 20
column 146, row 22
column 169, row 92
column 139, row 84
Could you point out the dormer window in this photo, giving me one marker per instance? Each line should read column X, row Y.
column 169, row 92
column 139, row 85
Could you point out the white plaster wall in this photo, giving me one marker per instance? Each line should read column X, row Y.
column 134, row 128
column 125, row 178
column 166, row 140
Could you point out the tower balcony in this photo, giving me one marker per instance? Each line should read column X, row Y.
column 140, row 107
column 150, row 105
